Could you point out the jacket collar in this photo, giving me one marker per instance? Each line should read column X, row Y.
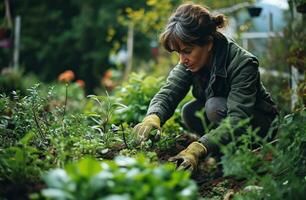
column 221, row 48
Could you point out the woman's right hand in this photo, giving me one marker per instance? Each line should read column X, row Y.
column 143, row 129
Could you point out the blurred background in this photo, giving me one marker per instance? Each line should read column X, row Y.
column 98, row 43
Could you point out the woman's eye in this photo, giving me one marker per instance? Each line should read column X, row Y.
column 188, row 51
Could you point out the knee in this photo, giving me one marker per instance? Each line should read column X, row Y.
column 216, row 109
column 189, row 117
column 188, row 111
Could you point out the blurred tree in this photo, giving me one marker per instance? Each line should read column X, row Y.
column 213, row 4
column 79, row 35
column 76, row 35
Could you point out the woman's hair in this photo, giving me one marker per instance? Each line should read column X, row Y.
column 190, row 24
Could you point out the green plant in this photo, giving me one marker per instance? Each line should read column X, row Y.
column 103, row 113
column 15, row 80
column 17, row 118
column 60, row 132
column 136, row 94
column 20, row 167
column 101, row 116
column 278, row 168
column 123, row 178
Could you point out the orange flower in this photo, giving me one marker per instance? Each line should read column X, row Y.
column 66, row 76
column 80, row 83
column 108, row 74
column 107, row 83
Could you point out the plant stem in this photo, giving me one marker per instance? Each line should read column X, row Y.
column 123, row 136
column 42, row 135
column 66, row 97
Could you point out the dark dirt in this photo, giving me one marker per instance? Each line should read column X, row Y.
column 209, row 176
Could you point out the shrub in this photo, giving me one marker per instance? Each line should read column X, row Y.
column 20, row 169
column 15, row 80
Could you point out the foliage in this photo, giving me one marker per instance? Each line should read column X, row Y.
column 52, row 126
column 280, row 91
column 302, row 92
column 20, row 169
column 136, row 94
column 38, row 110
column 221, row 4
column 90, row 30
column 16, row 80
column 123, row 178
column 150, row 17
column 278, row 169
column 104, row 111
column 54, row 130
column 44, row 129
column 63, row 126
column 19, row 116
column 19, row 164
column 297, row 48
column 297, row 2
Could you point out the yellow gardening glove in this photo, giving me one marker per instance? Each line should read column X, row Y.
column 188, row 158
column 143, row 129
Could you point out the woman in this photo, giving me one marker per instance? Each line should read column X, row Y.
column 224, row 78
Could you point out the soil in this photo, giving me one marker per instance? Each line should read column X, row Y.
column 209, row 177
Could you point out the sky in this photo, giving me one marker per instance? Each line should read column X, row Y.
column 280, row 3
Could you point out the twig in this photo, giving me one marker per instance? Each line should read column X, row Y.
column 66, row 97
column 45, row 120
column 42, row 134
column 259, row 148
column 123, row 136
column 281, row 172
column 229, row 195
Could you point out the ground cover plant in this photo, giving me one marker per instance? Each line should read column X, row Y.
column 123, row 178
column 274, row 170
column 57, row 143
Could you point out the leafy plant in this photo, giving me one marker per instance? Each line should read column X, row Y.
column 103, row 113
column 20, row 167
column 60, row 133
column 123, row 178
column 278, row 168
column 136, row 94
column 15, row 80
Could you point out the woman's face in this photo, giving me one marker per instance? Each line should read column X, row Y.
column 195, row 57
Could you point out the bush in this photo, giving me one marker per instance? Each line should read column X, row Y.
column 15, row 80
column 20, row 168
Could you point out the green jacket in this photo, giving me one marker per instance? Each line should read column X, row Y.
column 234, row 75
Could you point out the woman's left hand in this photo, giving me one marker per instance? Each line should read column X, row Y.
column 188, row 158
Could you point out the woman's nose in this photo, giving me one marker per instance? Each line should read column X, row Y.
column 183, row 59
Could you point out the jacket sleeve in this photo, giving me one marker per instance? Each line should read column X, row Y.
column 240, row 102
column 167, row 99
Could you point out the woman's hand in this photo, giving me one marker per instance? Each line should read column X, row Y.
column 143, row 129
column 188, row 158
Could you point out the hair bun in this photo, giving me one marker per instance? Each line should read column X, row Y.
column 219, row 20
